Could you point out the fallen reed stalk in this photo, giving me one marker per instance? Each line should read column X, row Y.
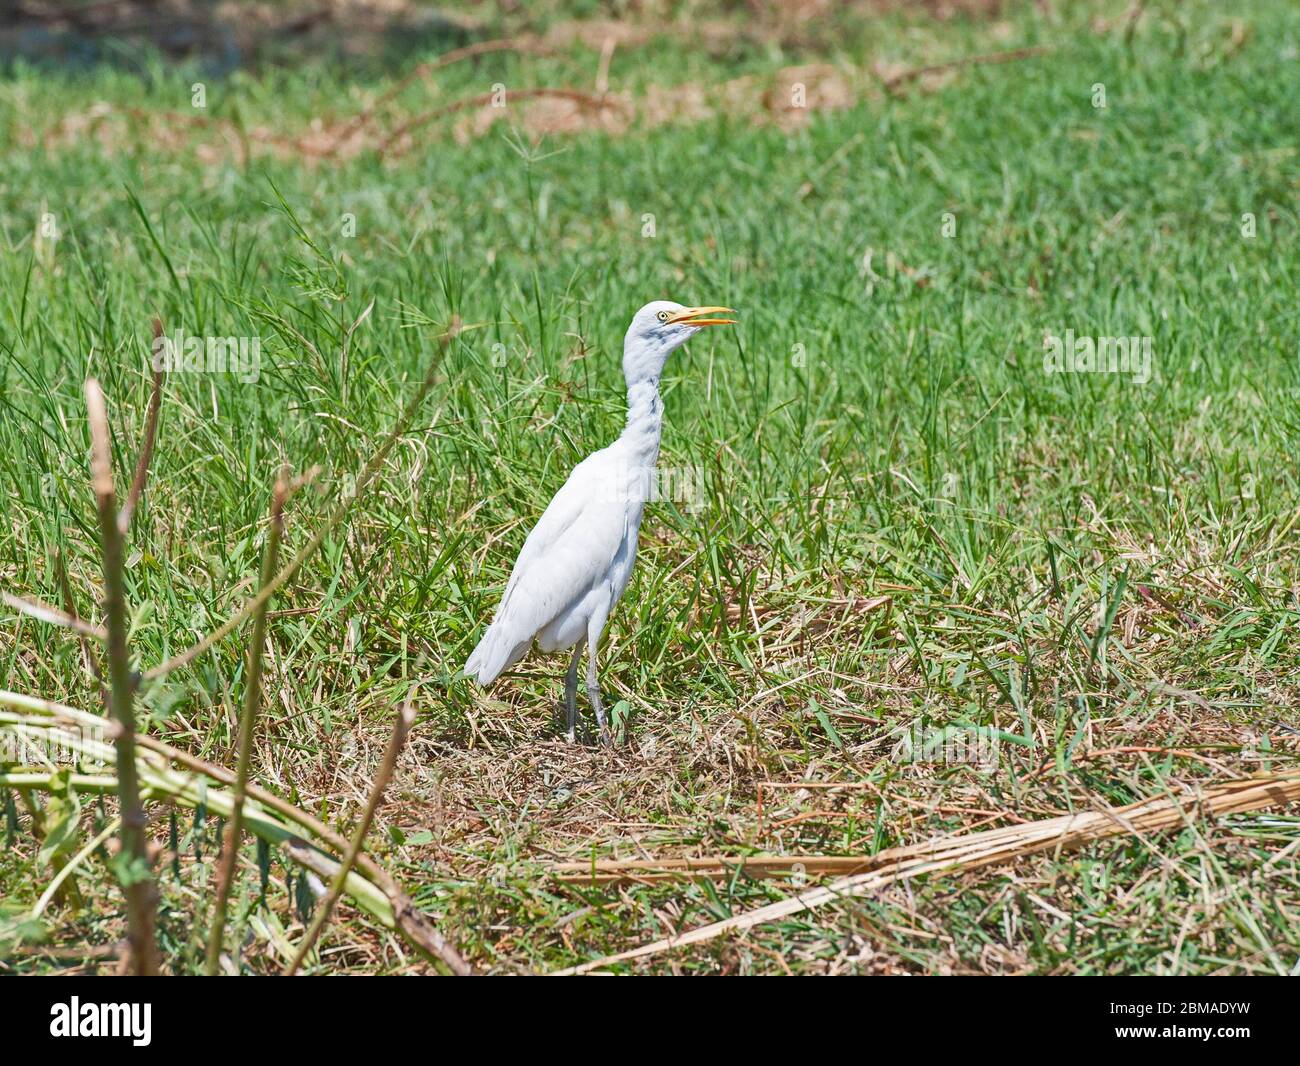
column 304, row 838
column 191, row 793
column 52, row 715
column 134, row 863
column 962, row 853
column 713, row 867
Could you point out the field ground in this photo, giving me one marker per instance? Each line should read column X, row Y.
column 885, row 521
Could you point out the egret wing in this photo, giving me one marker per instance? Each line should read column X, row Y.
column 568, row 552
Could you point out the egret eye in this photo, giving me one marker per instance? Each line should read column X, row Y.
column 662, row 316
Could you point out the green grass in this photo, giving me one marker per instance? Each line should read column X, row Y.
column 1082, row 562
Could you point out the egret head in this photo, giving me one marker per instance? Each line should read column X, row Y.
column 657, row 329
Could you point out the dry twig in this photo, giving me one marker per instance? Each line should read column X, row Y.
column 247, row 721
column 146, row 445
column 134, row 872
column 893, row 81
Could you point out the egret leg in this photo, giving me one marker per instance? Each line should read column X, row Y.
column 593, row 690
column 571, row 692
column 593, row 694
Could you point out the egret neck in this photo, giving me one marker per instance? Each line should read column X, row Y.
column 645, row 423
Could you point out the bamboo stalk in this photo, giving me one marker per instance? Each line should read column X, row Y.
column 138, row 882
column 247, row 721
column 972, row 851
column 405, row 719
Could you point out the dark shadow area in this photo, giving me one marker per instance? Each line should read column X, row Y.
column 220, row 37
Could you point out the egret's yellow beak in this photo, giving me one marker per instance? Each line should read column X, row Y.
column 690, row 316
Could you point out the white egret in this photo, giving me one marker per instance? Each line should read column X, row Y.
column 576, row 562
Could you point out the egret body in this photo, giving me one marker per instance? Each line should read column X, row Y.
column 577, row 561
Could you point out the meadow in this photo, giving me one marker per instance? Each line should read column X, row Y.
column 894, row 534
